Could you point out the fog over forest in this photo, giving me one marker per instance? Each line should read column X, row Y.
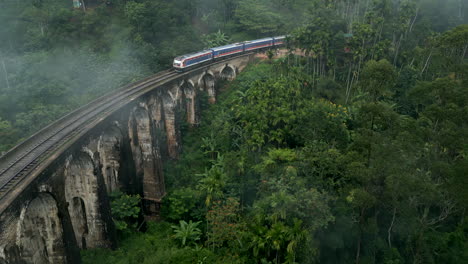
column 353, row 153
column 54, row 58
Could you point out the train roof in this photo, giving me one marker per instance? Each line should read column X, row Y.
column 192, row 54
column 258, row 40
column 227, row 46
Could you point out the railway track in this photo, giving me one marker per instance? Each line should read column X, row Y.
column 24, row 158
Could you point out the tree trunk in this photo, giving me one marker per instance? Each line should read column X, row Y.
column 460, row 15
column 358, row 250
column 313, row 73
column 397, row 50
column 42, row 29
column 414, row 20
column 84, row 7
column 334, row 70
column 358, row 72
column 427, row 63
column 377, row 39
column 348, row 83
column 369, row 150
column 324, row 70
column 6, row 74
column 367, row 7
column 389, row 231
column 464, row 51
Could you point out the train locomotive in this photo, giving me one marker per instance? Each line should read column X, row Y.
column 189, row 61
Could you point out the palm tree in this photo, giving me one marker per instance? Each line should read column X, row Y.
column 259, row 241
column 277, row 236
column 213, row 181
column 296, row 234
column 187, row 232
column 215, row 39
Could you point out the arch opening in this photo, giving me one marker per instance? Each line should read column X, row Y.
column 110, row 144
column 188, row 89
column 40, row 232
column 140, row 117
column 190, row 102
column 207, row 83
column 84, row 180
column 77, row 211
column 228, row 73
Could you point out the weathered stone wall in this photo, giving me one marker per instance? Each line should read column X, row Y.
column 67, row 207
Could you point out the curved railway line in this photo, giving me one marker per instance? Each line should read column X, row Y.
column 25, row 158
column 17, row 163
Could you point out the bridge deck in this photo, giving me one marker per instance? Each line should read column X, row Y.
column 26, row 158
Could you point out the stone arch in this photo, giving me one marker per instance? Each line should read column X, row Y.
column 146, row 154
column 141, row 113
column 172, row 131
column 228, row 72
column 188, row 88
column 141, row 142
column 173, row 94
column 177, row 93
column 155, row 109
column 40, row 232
column 77, row 211
column 109, row 147
column 207, row 83
column 10, row 253
column 190, row 102
column 83, row 191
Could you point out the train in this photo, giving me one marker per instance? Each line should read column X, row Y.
column 188, row 61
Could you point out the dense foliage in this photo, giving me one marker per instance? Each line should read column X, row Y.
column 54, row 58
column 354, row 152
column 303, row 169
column 125, row 211
column 292, row 176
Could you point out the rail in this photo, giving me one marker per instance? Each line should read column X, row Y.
column 23, row 159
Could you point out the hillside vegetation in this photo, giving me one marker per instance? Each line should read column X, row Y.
column 54, row 58
column 354, row 153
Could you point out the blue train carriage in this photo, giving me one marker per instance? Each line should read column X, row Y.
column 188, row 60
column 279, row 41
column 258, row 44
column 227, row 50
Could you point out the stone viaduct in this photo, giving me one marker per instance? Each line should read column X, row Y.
column 64, row 205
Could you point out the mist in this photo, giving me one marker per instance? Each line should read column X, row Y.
column 54, row 58
column 243, row 19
